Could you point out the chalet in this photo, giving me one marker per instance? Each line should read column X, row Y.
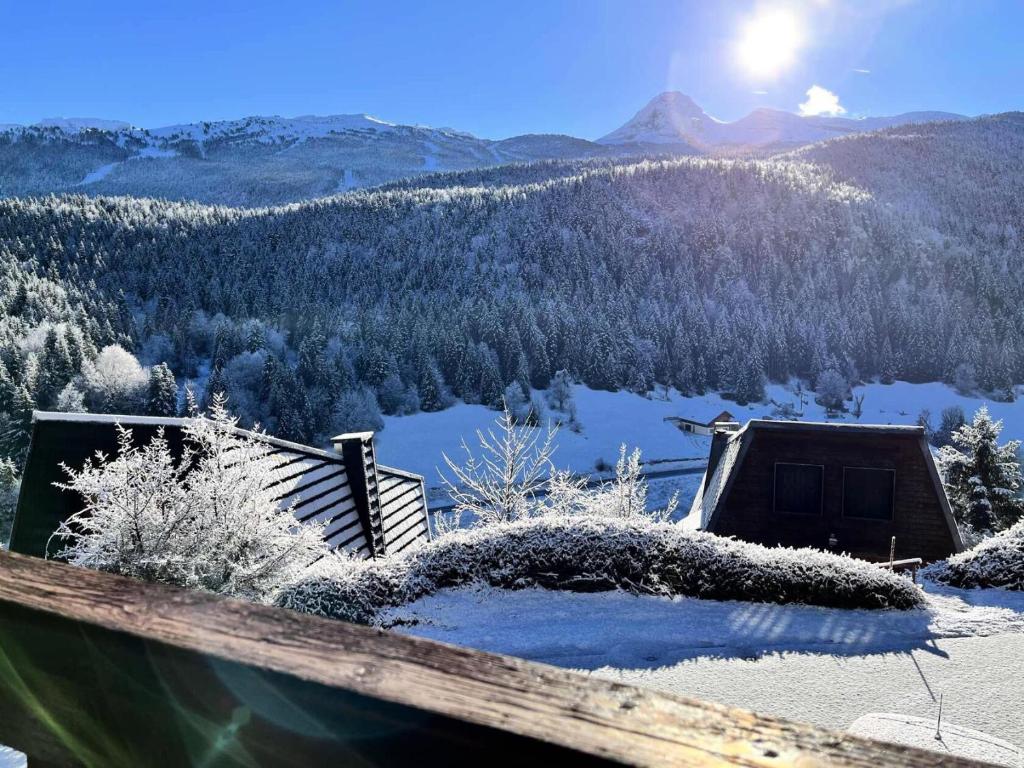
column 841, row 487
column 370, row 509
column 702, row 424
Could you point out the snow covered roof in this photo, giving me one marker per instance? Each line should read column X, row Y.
column 174, row 421
column 704, row 418
column 712, row 489
column 835, row 427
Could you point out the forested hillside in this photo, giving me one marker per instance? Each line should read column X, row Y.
column 693, row 272
column 961, row 178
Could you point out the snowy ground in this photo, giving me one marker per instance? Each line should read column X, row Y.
column 818, row 665
column 938, row 736
column 416, row 443
column 9, row 758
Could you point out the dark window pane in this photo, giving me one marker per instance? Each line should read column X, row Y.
column 798, row 489
column 868, row 493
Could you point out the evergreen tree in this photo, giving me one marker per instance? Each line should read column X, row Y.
column 163, row 392
column 312, row 365
column 55, row 369
column 887, row 364
column 983, row 479
column 430, row 386
column 749, row 387
column 491, row 389
column 16, row 425
column 216, row 386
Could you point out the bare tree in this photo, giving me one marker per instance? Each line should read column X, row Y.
column 502, row 484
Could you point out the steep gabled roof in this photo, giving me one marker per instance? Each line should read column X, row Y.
column 705, row 418
column 714, row 489
column 368, row 509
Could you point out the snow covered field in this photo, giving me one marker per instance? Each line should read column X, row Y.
column 416, row 443
column 817, row 665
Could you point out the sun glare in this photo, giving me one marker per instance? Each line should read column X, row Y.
column 768, row 42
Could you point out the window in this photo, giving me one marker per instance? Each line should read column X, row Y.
column 868, row 493
column 798, row 488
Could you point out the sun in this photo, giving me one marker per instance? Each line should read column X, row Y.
column 768, row 42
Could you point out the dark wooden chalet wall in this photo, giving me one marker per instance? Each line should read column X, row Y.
column 359, row 502
column 919, row 525
column 100, row 670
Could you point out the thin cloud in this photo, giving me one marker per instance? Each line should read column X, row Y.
column 821, row 101
column 760, row 93
column 862, row 71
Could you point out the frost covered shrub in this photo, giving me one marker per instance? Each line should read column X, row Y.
column 997, row 561
column 208, row 521
column 115, row 382
column 595, row 554
column 9, row 484
column 514, row 478
column 625, row 496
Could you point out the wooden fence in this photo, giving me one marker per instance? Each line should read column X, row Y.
column 100, row 670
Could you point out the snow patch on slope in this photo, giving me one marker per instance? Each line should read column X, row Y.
column 104, row 170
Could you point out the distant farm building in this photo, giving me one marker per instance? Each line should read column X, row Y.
column 840, row 487
column 369, row 509
column 702, row 424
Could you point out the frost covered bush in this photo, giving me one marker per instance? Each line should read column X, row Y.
column 115, row 382
column 514, row 478
column 590, row 554
column 997, row 561
column 623, row 497
column 208, row 521
column 9, row 484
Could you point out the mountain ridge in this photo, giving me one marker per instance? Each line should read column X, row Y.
column 674, row 118
column 269, row 160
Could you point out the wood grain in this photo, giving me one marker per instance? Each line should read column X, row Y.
column 98, row 669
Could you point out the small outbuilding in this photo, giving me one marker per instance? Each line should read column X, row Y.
column 700, row 424
column 841, row 487
column 370, row 510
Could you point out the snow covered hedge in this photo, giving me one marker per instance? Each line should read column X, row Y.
column 997, row 561
column 584, row 553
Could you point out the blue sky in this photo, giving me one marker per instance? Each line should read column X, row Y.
column 496, row 69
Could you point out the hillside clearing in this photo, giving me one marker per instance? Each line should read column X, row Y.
column 609, row 419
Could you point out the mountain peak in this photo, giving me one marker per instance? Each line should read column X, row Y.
column 668, row 118
column 677, row 101
column 673, row 118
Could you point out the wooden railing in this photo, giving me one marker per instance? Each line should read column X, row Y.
column 101, row 670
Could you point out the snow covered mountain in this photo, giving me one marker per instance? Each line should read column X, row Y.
column 268, row 160
column 252, row 161
column 79, row 124
column 674, row 119
column 669, row 118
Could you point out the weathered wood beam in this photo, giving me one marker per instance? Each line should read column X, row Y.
column 97, row 669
